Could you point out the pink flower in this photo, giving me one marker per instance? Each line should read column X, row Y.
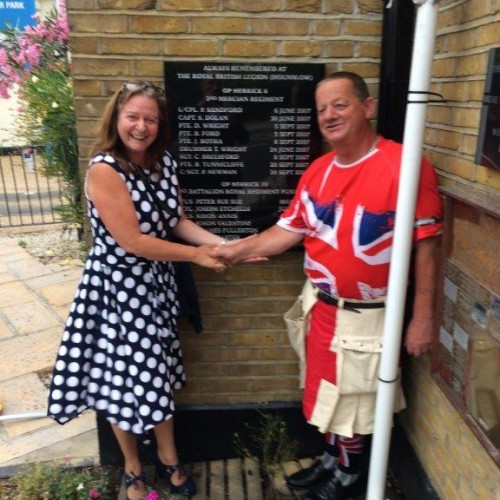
column 93, row 493
column 4, row 91
column 35, row 48
column 152, row 495
column 3, row 57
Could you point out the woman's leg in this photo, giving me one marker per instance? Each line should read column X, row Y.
column 167, row 452
column 133, row 466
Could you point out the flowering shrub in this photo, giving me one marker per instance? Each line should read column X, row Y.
column 36, row 48
column 35, row 65
column 42, row 481
column 152, row 495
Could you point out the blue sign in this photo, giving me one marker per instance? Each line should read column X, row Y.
column 17, row 13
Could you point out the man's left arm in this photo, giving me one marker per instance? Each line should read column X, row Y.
column 420, row 331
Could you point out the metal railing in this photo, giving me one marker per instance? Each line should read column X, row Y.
column 27, row 196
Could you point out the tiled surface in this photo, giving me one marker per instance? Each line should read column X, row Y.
column 34, row 300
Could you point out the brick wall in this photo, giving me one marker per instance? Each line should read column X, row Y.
column 466, row 30
column 457, row 464
column 116, row 40
column 243, row 355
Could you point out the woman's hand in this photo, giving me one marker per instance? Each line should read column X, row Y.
column 203, row 258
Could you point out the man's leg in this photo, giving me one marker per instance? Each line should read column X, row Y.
column 319, row 470
column 345, row 479
column 351, row 453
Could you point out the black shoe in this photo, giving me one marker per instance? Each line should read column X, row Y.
column 187, row 488
column 132, row 480
column 333, row 489
column 310, row 476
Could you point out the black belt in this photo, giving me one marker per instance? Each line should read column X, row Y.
column 345, row 304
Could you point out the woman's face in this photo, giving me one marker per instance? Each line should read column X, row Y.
column 137, row 126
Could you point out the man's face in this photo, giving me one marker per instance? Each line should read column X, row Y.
column 342, row 117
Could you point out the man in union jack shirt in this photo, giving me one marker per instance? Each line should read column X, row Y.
column 343, row 212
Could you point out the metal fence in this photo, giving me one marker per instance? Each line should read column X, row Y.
column 27, row 196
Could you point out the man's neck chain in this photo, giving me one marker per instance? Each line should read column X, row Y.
column 374, row 144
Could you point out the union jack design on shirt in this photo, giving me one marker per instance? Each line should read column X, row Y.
column 347, row 216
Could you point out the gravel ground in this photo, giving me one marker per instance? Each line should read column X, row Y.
column 50, row 246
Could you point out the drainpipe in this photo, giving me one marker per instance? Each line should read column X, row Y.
column 23, row 416
column 397, row 41
column 420, row 74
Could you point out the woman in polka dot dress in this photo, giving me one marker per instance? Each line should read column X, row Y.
column 120, row 353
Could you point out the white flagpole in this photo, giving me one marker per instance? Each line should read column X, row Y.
column 423, row 50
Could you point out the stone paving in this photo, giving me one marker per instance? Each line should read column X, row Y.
column 34, row 301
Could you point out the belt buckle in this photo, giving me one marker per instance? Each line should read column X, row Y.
column 341, row 304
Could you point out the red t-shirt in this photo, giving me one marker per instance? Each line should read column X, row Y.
column 347, row 216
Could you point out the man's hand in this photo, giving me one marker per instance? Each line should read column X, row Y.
column 420, row 331
column 256, row 248
column 419, row 336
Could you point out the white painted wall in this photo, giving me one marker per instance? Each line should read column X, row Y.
column 8, row 112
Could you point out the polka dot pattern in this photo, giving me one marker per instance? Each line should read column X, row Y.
column 119, row 353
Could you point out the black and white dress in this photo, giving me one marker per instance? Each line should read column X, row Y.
column 120, row 353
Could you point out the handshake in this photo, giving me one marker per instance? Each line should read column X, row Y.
column 227, row 253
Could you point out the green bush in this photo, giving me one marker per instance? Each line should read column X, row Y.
column 48, row 481
column 35, row 65
column 269, row 442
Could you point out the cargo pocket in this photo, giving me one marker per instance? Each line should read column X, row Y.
column 358, row 345
column 297, row 321
column 358, row 363
column 294, row 320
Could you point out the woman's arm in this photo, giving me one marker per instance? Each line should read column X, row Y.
column 112, row 199
column 191, row 232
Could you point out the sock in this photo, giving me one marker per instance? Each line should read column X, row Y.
column 351, row 452
column 344, row 478
column 330, row 457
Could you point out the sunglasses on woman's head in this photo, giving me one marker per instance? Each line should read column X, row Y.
column 135, row 86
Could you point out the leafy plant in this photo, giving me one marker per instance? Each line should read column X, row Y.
column 35, row 64
column 269, row 441
column 47, row 481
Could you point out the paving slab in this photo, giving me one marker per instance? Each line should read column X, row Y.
column 59, row 294
column 30, row 317
column 23, row 266
column 5, row 330
column 16, row 450
column 78, row 451
column 29, row 353
column 59, row 275
column 6, row 277
column 20, row 395
column 12, row 293
column 62, row 313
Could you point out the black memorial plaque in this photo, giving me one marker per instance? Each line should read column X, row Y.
column 242, row 135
